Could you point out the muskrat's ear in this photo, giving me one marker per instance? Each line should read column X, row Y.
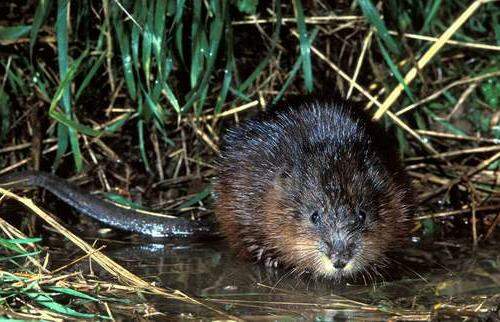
column 283, row 178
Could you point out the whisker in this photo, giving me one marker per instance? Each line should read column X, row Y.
column 411, row 270
column 290, row 272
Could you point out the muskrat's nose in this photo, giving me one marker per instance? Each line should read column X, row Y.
column 341, row 254
column 340, row 263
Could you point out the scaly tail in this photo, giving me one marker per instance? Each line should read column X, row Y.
column 115, row 216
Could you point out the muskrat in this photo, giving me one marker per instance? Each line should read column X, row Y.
column 315, row 187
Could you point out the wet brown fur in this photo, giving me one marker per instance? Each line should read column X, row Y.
column 259, row 218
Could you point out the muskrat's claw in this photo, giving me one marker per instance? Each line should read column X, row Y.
column 271, row 262
column 258, row 254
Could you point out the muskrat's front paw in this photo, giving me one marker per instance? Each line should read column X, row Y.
column 260, row 255
column 271, row 262
column 256, row 251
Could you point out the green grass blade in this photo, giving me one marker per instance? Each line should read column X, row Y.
column 402, row 143
column 41, row 13
column 394, row 69
column 253, row 76
column 62, row 117
column 228, row 70
column 291, row 76
column 20, row 241
column 155, row 108
column 73, row 125
column 444, row 123
column 73, row 293
column 196, row 48
column 10, row 258
column 274, row 40
column 225, row 85
column 160, row 14
column 164, row 135
column 293, row 72
column 490, row 90
column 196, row 198
column 142, row 147
column 140, row 12
column 50, row 303
column 216, row 30
column 119, row 199
column 431, row 11
column 421, row 123
column 241, row 96
column 62, row 144
column 215, row 36
column 247, row 6
column 147, row 42
column 169, row 94
column 198, row 58
column 179, row 29
column 75, row 145
column 305, row 49
column 88, row 78
column 4, row 114
column 12, row 247
column 62, row 59
column 13, row 244
column 14, row 33
column 16, row 81
column 62, row 50
column 117, row 124
column 123, row 43
column 373, row 16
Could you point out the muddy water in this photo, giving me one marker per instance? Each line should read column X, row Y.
column 445, row 280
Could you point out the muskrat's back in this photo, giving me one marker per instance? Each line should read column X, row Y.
column 316, row 187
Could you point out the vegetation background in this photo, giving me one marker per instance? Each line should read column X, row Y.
column 130, row 98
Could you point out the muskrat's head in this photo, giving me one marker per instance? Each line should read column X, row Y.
column 337, row 215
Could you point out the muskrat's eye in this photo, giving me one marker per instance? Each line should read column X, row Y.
column 361, row 216
column 315, row 218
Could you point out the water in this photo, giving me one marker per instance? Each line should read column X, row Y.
column 442, row 280
column 439, row 280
